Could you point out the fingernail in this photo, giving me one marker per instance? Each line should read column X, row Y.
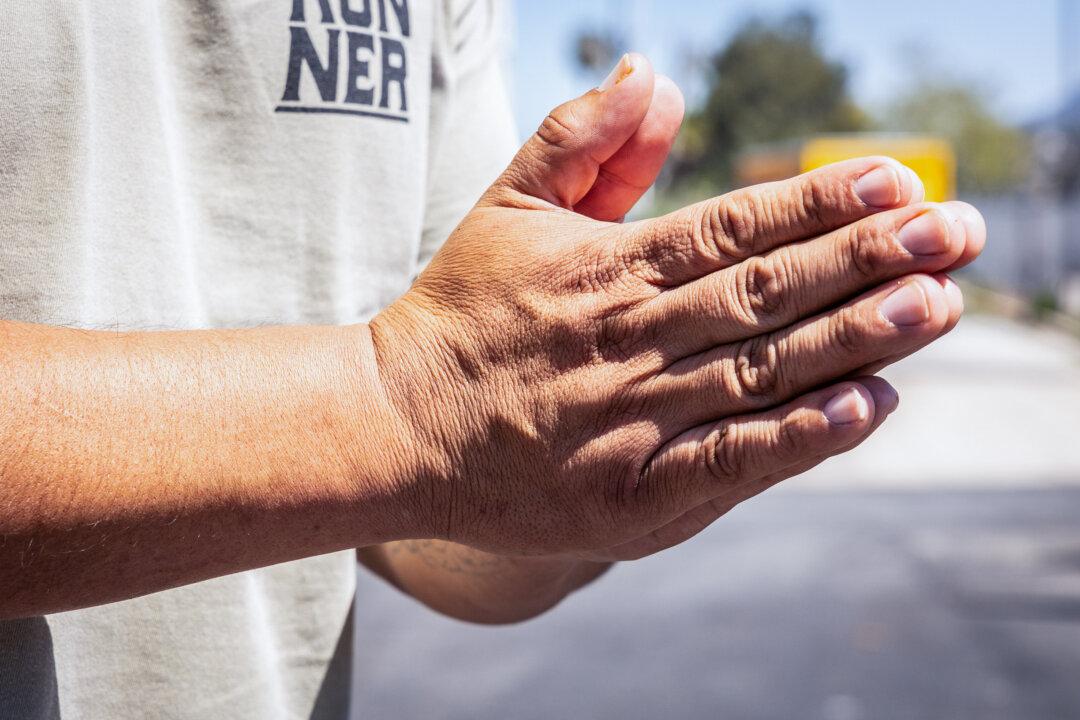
column 906, row 306
column 926, row 234
column 880, row 187
column 622, row 70
column 846, row 407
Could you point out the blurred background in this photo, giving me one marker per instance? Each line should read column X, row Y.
column 935, row 571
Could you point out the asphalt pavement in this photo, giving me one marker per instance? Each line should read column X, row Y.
column 934, row 573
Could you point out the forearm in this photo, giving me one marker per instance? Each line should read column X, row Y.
column 477, row 586
column 135, row 462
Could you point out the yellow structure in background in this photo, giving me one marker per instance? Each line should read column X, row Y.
column 931, row 157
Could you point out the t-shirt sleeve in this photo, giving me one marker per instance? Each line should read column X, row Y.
column 472, row 129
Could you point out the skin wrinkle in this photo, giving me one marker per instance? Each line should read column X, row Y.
column 724, row 502
column 490, row 404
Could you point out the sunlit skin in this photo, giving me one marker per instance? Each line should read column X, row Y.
column 558, row 389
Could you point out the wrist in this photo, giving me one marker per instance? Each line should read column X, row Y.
column 423, row 391
column 384, row 484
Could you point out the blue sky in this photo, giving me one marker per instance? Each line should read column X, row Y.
column 1010, row 49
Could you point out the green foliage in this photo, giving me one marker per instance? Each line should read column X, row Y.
column 991, row 157
column 596, row 51
column 771, row 82
column 1044, row 304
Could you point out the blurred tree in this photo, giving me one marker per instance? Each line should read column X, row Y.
column 991, row 157
column 597, row 50
column 771, row 82
column 1055, row 143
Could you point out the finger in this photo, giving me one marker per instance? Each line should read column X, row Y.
column 955, row 299
column 695, row 520
column 626, row 175
column 794, row 281
column 893, row 320
column 918, row 192
column 560, row 162
column 975, row 227
column 717, row 457
column 702, row 516
column 723, row 231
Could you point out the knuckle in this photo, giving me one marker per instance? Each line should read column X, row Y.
column 789, row 439
column 557, row 129
column 595, row 273
column 681, row 227
column 845, row 334
column 632, row 490
column 817, row 195
column 647, row 494
column 621, row 495
column 725, row 454
column 619, row 340
column 627, row 408
column 761, row 286
column 865, row 251
column 727, row 226
column 755, row 371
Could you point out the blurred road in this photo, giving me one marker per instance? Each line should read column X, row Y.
column 934, row 573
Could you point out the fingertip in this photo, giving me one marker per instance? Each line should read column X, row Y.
column 975, row 231
column 560, row 161
column 930, row 230
column 631, row 170
column 884, row 182
column 915, row 303
column 884, row 185
column 952, row 290
column 936, row 299
column 652, row 142
column 852, row 404
column 625, row 98
column 637, row 62
column 916, row 189
column 953, row 296
column 885, row 397
column 668, row 101
column 632, row 76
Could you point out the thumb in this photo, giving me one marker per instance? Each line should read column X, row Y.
column 632, row 170
column 560, row 162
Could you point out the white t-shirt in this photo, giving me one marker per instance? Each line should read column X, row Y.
column 227, row 163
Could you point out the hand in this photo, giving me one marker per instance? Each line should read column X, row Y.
column 573, row 385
